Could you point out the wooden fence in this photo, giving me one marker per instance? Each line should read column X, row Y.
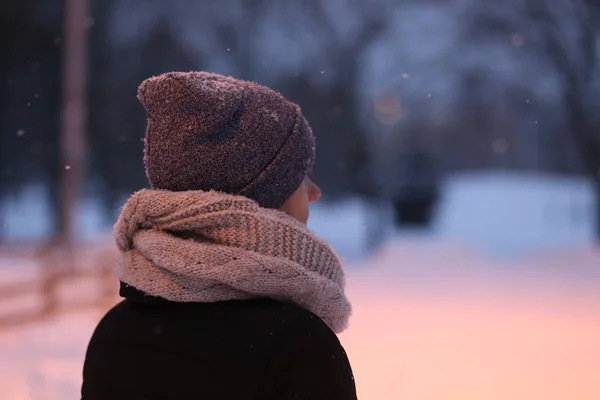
column 55, row 281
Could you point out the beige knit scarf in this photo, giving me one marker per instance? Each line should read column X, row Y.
column 201, row 246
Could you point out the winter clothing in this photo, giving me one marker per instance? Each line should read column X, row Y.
column 211, row 132
column 241, row 251
column 149, row 349
column 225, row 297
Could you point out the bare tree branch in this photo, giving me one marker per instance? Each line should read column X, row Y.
column 575, row 78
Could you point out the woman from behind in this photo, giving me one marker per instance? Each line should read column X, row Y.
column 227, row 294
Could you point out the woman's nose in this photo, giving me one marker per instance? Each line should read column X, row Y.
column 314, row 191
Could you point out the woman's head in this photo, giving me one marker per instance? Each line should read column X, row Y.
column 210, row 132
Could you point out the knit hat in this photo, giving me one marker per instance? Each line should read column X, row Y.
column 211, row 132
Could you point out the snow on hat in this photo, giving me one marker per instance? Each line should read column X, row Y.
column 211, row 132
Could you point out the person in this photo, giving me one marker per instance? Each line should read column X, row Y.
column 227, row 293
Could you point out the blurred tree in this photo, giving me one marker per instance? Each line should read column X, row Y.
column 335, row 38
column 486, row 127
column 117, row 119
column 577, row 73
column 74, row 108
column 235, row 37
column 333, row 106
column 29, row 97
column 562, row 35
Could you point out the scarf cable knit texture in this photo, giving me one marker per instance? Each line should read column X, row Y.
column 198, row 246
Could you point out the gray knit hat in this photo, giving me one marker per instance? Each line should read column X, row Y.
column 211, row 132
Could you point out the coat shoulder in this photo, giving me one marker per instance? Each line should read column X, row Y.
column 153, row 349
column 308, row 361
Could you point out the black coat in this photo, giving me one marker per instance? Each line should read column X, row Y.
column 149, row 348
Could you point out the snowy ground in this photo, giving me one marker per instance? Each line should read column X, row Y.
column 499, row 301
column 430, row 328
column 430, row 321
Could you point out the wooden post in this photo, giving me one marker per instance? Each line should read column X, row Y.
column 73, row 117
column 597, row 209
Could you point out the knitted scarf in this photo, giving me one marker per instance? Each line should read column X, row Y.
column 198, row 246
